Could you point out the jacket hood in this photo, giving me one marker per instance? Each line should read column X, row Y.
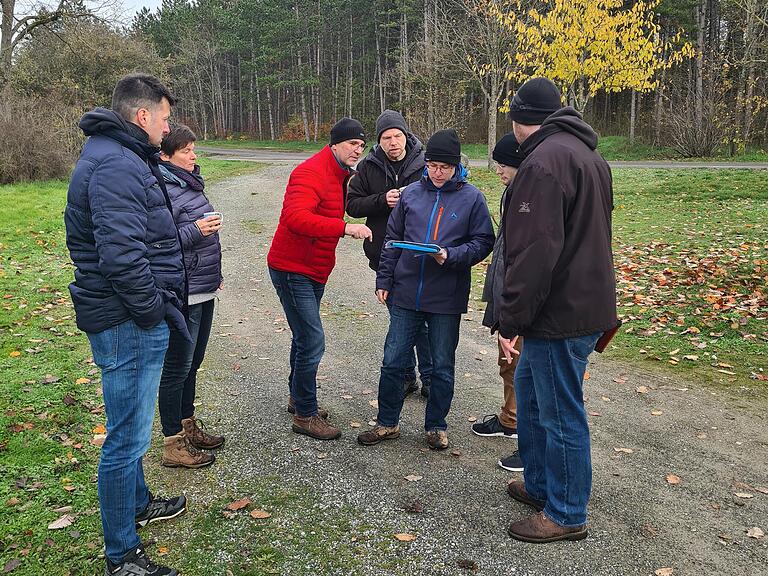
column 566, row 119
column 104, row 122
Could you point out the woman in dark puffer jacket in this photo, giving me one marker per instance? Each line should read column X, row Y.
column 198, row 227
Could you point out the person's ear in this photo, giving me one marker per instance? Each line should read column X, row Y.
column 142, row 117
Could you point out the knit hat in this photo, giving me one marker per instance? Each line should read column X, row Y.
column 444, row 146
column 534, row 101
column 347, row 129
column 390, row 119
column 507, row 151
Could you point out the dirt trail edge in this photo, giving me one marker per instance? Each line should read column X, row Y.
column 640, row 519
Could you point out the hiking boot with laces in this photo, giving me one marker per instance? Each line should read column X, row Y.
column 315, row 427
column 492, row 426
column 377, row 434
column 198, row 437
column 161, row 509
column 178, row 451
column 137, row 563
column 320, row 411
column 437, row 439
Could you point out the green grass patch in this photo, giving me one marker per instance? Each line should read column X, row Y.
column 216, row 170
column 692, row 268
column 273, row 145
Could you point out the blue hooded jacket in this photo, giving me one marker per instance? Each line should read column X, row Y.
column 120, row 231
column 456, row 218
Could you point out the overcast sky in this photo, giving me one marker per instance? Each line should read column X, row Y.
column 136, row 5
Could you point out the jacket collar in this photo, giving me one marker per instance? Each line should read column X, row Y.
column 104, row 122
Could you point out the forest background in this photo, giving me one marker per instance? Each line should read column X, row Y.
column 684, row 76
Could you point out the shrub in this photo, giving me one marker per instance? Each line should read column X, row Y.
column 38, row 139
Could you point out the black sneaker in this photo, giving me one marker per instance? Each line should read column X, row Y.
column 161, row 509
column 513, row 463
column 137, row 563
column 492, row 426
column 425, row 387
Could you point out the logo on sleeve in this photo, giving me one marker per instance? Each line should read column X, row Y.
column 525, row 207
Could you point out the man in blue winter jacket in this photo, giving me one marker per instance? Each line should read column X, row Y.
column 129, row 287
column 444, row 210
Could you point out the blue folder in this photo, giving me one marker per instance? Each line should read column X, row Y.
column 415, row 246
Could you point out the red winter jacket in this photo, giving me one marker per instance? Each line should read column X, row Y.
column 312, row 220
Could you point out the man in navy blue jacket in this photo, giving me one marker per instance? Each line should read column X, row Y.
column 129, row 287
column 442, row 209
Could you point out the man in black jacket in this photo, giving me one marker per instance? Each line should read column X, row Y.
column 396, row 161
column 129, row 287
column 560, row 295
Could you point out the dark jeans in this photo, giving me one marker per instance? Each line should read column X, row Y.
column 421, row 350
column 404, row 326
column 179, row 379
column 131, row 360
column 553, row 434
column 300, row 297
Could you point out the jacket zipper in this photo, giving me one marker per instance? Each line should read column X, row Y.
column 423, row 258
column 437, row 224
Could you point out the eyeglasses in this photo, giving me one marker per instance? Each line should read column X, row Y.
column 432, row 167
column 356, row 147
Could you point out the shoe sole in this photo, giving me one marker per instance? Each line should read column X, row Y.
column 571, row 536
column 388, row 437
column 209, row 447
column 491, row 434
column 190, row 466
column 144, row 524
column 535, row 504
column 510, row 468
column 306, row 432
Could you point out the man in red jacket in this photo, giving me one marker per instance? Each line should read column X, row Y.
column 301, row 258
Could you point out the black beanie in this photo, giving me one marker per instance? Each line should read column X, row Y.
column 444, row 146
column 390, row 119
column 347, row 129
column 507, row 151
column 536, row 99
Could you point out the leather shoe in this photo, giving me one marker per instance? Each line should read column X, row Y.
column 538, row 529
column 517, row 490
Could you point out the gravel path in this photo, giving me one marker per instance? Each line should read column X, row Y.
column 292, row 158
column 715, row 442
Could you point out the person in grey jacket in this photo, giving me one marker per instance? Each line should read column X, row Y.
column 198, row 227
column 508, row 158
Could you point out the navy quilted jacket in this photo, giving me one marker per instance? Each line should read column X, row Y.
column 202, row 254
column 120, row 231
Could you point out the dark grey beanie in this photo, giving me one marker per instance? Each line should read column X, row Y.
column 390, row 119
column 534, row 101
column 507, row 151
column 347, row 129
column 444, row 146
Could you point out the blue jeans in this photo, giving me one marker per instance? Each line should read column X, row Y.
column 300, row 297
column 423, row 353
column 176, row 400
column 131, row 360
column 404, row 327
column 553, row 433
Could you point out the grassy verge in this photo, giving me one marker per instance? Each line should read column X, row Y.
column 692, row 267
column 51, row 411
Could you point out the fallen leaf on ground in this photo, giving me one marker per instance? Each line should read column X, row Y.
column 642, row 389
column 755, row 533
column 238, row 504
column 605, row 398
column 367, row 391
column 162, row 550
column 12, row 501
column 587, row 376
column 69, row 400
column 656, row 412
column 62, row 522
column 413, row 477
column 745, row 495
column 98, row 439
column 83, row 381
column 472, row 419
column 664, row 572
column 467, row 564
column 405, row 537
column 374, row 403
column 11, row 565
column 346, row 396
column 414, row 507
column 593, row 413
column 762, row 490
column 322, row 456
column 701, row 435
column 371, row 422
column 456, row 453
column 260, row 514
column 63, row 509
column 354, row 424
column 624, row 450
column 15, row 354
column 100, row 429
column 673, row 479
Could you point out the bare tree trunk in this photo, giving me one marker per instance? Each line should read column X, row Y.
column 701, row 22
column 382, row 105
column 271, row 115
column 632, row 116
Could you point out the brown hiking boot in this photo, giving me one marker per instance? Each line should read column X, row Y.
column 538, row 529
column 517, row 490
column 437, row 439
column 377, row 434
column 199, row 438
column 316, row 427
column 178, row 451
column 292, row 409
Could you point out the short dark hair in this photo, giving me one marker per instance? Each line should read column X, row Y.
column 179, row 137
column 136, row 91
